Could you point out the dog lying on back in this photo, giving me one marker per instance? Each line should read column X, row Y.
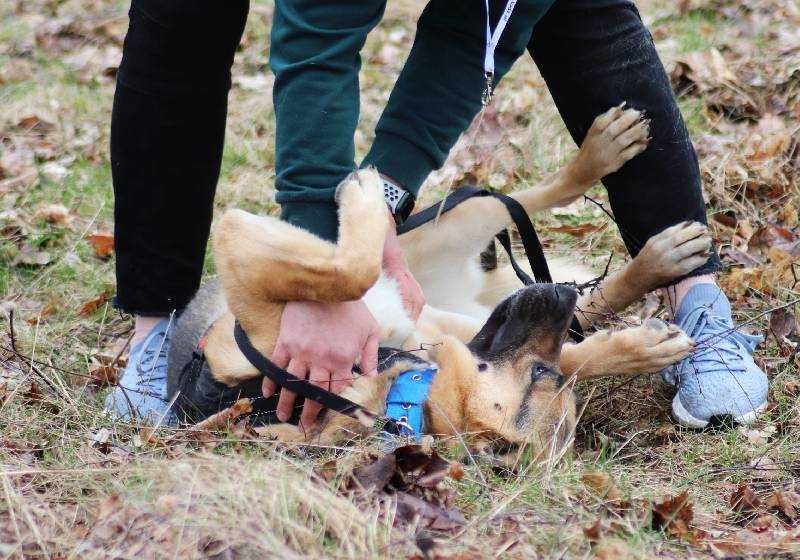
column 504, row 372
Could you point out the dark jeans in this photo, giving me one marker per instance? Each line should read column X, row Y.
column 170, row 108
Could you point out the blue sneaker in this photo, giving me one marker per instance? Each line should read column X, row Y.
column 720, row 378
column 142, row 390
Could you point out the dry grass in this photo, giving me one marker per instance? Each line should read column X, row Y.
column 75, row 484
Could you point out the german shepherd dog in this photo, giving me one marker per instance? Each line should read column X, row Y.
column 505, row 373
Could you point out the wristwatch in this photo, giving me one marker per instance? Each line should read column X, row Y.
column 399, row 200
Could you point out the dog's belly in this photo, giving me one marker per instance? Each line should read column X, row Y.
column 385, row 303
column 453, row 287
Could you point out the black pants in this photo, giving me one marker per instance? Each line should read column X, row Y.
column 170, row 108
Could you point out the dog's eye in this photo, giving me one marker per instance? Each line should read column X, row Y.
column 482, row 366
column 538, row 371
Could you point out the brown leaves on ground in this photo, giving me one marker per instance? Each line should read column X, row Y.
column 675, row 516
column 602, row 485
column 415, row 480
column 102, row 243
column 785, row 503
column 744, row 500
column 89, row 307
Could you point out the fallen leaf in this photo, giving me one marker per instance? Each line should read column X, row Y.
column 376, row 475
column 593, row 532
column 602, row 485
column 706, row 69
column 766, row 468
column 782, row 323
column 32, row 396
column 771, row 235
column 93, row 305
column 744, row 500
column 103, row 376
column 34, row 124
column 46, row 310
column 785, row 502
column 411, row 509
column 675, row 516
column 100, row 440
column 792, row 387
column 758, row 436
column 103, row 244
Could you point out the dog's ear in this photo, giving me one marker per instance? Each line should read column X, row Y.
column 482, row 343
column 534, row 320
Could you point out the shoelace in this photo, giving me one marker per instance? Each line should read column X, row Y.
column 718, row 343
column 150, row 357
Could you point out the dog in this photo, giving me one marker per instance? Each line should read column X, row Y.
column 504, row 373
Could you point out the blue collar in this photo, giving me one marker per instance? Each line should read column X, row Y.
column 407, row 395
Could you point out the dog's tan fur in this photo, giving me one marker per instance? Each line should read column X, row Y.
column 263, row 263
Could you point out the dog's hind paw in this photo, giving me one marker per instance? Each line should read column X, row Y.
column 676, row 251
column 360, row 191
column 615, row 137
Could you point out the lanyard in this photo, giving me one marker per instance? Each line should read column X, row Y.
column 492, row 38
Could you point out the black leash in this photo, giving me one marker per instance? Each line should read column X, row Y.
column 303, row 388
column 530, row 240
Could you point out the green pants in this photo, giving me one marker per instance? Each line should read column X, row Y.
column 315, row 49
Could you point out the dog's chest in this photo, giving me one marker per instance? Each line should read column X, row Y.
column 385, row 303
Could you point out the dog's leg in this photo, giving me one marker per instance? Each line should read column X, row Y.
column 645, row 349
column 614, row 138
column 264, row 262
column 667, row 256
column 271, row 260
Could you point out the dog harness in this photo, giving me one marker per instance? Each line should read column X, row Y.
column 393, row 426
column 406, row 399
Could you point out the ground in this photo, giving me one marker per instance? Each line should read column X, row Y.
column 76, row 484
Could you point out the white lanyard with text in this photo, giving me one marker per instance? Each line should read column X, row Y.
column 492, row 38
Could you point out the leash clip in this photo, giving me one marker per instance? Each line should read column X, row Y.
column 488, row 89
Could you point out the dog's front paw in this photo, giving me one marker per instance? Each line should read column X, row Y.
column 674, row 252
column 615, row 137
column 649, row 348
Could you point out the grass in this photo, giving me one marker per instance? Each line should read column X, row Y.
column 76, row 484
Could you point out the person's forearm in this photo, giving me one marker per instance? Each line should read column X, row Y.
column 315, row 59
column 439, row 90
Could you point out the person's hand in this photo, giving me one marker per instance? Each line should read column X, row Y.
column 395, row 265
column 321, row 342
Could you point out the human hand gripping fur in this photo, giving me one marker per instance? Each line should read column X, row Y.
column 321, row 342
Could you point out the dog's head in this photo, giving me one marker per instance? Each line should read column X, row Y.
column 517, row 399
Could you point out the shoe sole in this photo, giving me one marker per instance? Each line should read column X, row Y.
column 686, row 419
